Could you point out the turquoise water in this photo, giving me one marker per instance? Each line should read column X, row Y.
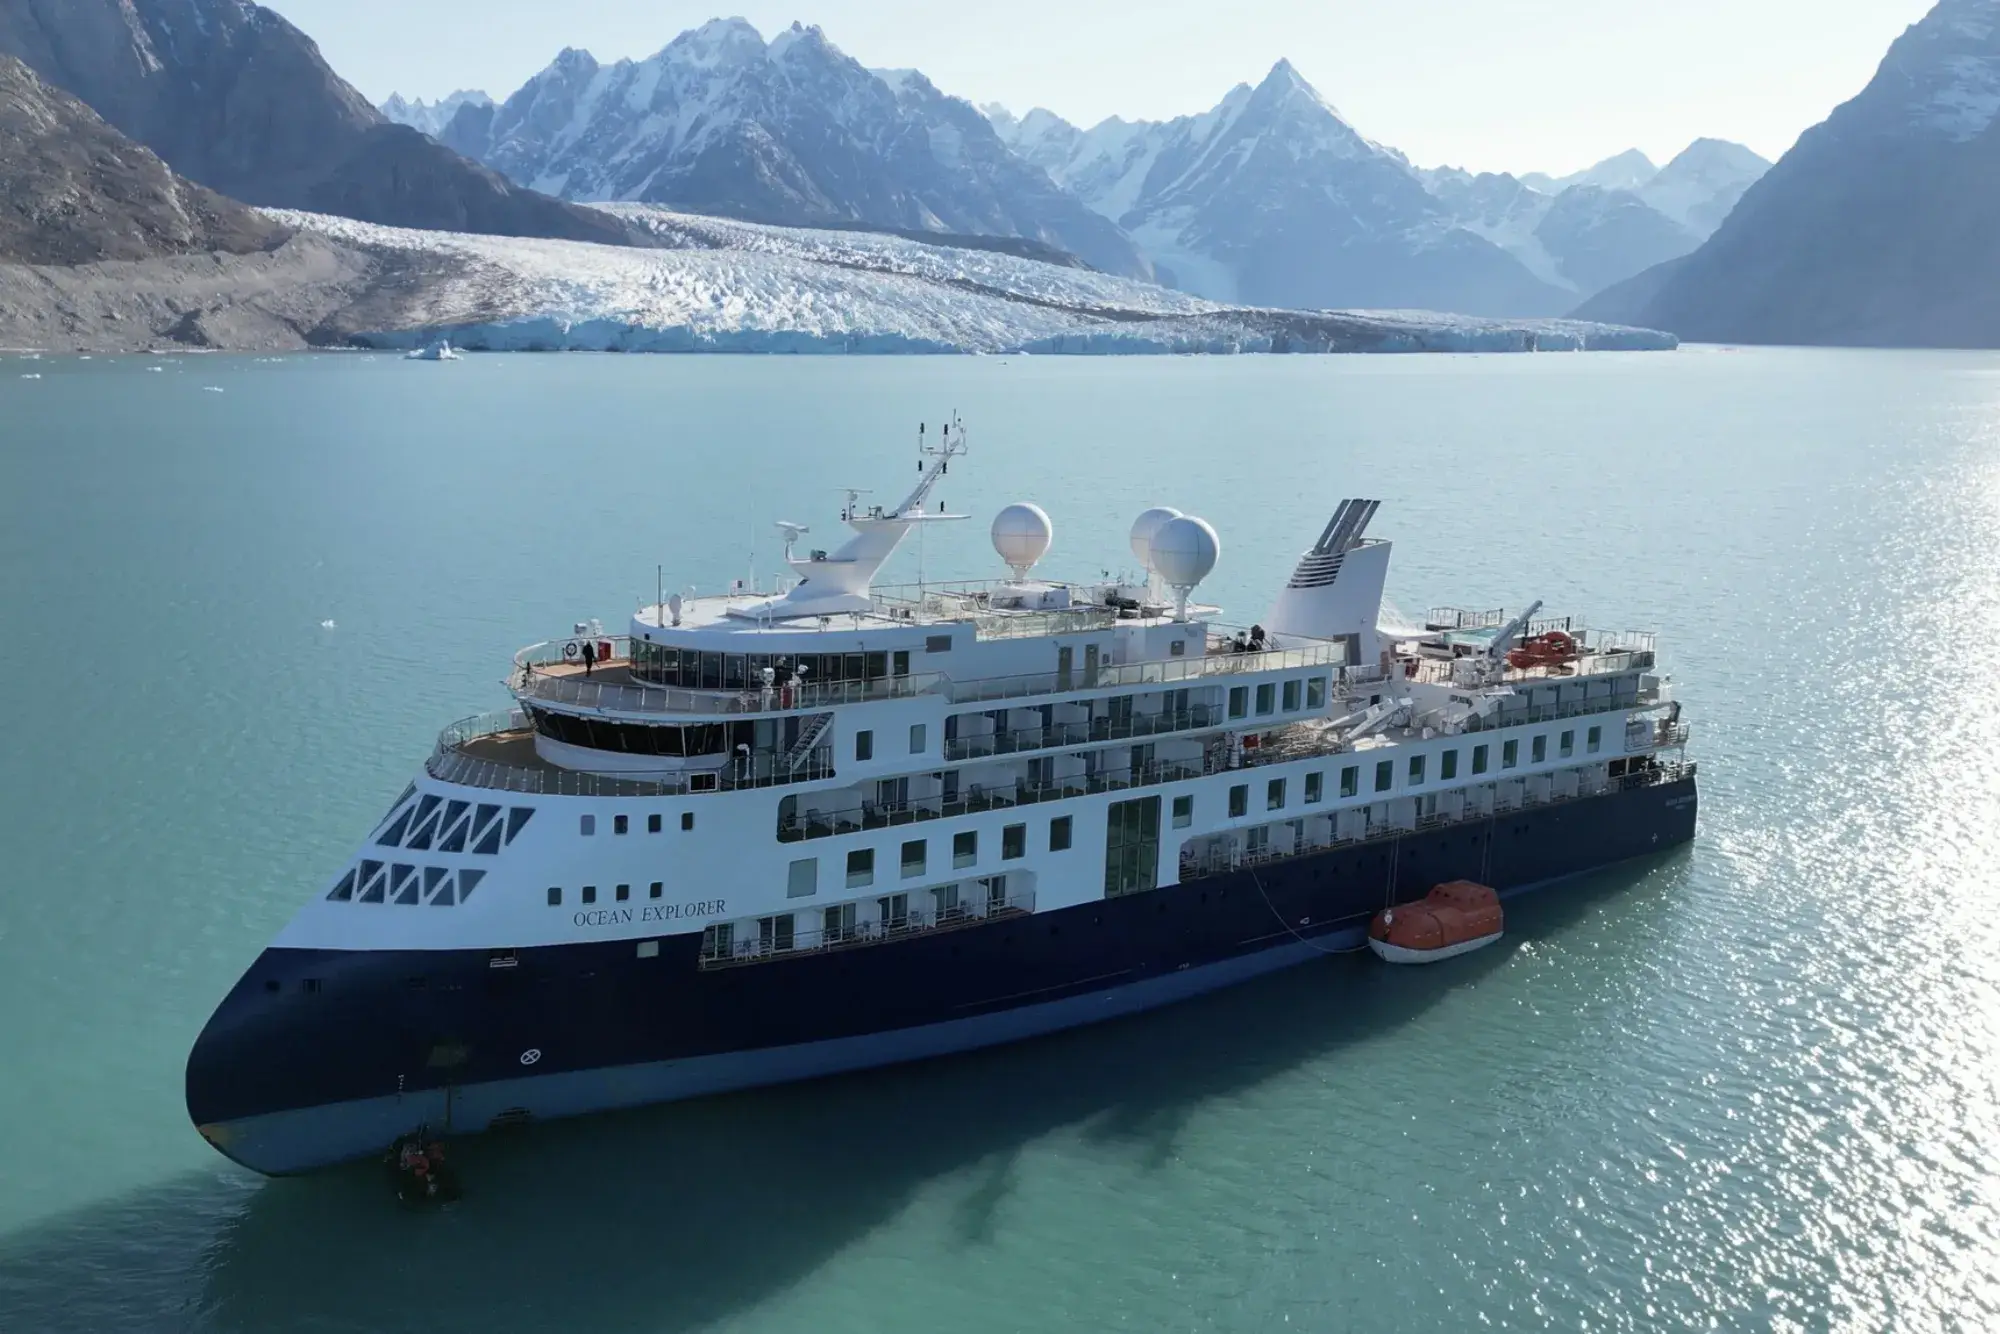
column 1752, row 1084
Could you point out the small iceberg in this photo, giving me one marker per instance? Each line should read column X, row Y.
column 211, row 389
column 326, row 625
column 441, row 350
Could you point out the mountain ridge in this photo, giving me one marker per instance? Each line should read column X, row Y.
column 1881, row 226
column 792, row 130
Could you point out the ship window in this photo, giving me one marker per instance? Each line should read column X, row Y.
column 1274, row 795
column 860, row 867
column 587, row 825
column 1315, row 788
column 937, row 644
column 1448, row 765
column 917, row 738
column 895, row 911
column 1013, row 842
column 1316, row 692
column 344, row 891
column 467, row 882
column 620, row 824
column 1479, row 759
column 718, row 941
column 624, row 893
column 649, row 949
column 1267, row 698
column 1592, row 739
column 802, row 882
column 1416, row 770
column 653, row 890
column 1385, row 775
column 517, row 820
column 1350, row 780
column 837, row 923
column 483, row 814
column 394, row 833
column 1239, row 800
column 404, row 883
column 915, row 857
column 864, row 746
column 1510, row 754
column 653, row 823
column 1291, row 700
column 372, row 878
column 555, row 896
column 433, row 877
column 687, row 819
column 1566, row 744
column 1239, row 701
column 1177, row 649
column 590, row 893
column 1538, row 750
column 490, row 842
column 1059, row 834
column 454, row 838
column 407, row 791
column 964, row 848
column 774, row 934
column 1183, row 812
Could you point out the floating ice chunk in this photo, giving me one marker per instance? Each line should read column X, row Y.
column 211, row 389
column 326, row 625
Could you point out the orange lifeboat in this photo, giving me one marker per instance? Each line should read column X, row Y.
column 1453, row 919
column 1550, row 649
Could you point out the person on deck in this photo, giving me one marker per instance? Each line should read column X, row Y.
column 589, row 656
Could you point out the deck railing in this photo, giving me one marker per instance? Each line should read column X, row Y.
column 449, row 762
column 987, row 744
column 913, row 923
column 1197, row 865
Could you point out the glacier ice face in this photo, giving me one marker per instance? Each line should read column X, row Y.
column 725, row 286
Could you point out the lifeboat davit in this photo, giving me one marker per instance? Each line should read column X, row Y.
column 1550, row 649
column 1453, row 919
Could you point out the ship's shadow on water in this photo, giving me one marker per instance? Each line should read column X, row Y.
column 674, row 1217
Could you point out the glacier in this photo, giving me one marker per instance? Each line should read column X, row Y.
column 719, row 285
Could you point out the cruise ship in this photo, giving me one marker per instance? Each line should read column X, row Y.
column 775, row 834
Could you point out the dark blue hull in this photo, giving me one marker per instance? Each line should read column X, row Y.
column 316, row 1057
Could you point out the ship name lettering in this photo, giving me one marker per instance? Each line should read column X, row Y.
column 652, row 912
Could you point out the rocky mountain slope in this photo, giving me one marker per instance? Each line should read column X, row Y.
column 232, row 96
column 1880, row 226
column 791, row 131
column 74, row 191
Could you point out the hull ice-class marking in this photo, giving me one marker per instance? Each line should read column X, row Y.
column 289, row 1080
column 1402, row 954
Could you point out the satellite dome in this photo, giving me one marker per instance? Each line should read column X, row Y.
column 1184, row 551
column 1143, row 529
column 1021, row 534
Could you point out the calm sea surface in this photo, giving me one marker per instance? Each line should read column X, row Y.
column 1752, row 1084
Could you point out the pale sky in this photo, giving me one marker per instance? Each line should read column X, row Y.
column 1496, row 85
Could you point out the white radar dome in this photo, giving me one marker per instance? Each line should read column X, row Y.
column 1022, row 534
column 1143, row 529
column 1184, row 551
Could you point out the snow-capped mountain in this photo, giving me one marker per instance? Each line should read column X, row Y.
column 1628, row 170
column 1703, row 182
column 1582, row 239
column 1697, row 189
column 232, row 96
column 1272, row 197
column 431, row 117
column 1880, row 226
column 792, row 130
